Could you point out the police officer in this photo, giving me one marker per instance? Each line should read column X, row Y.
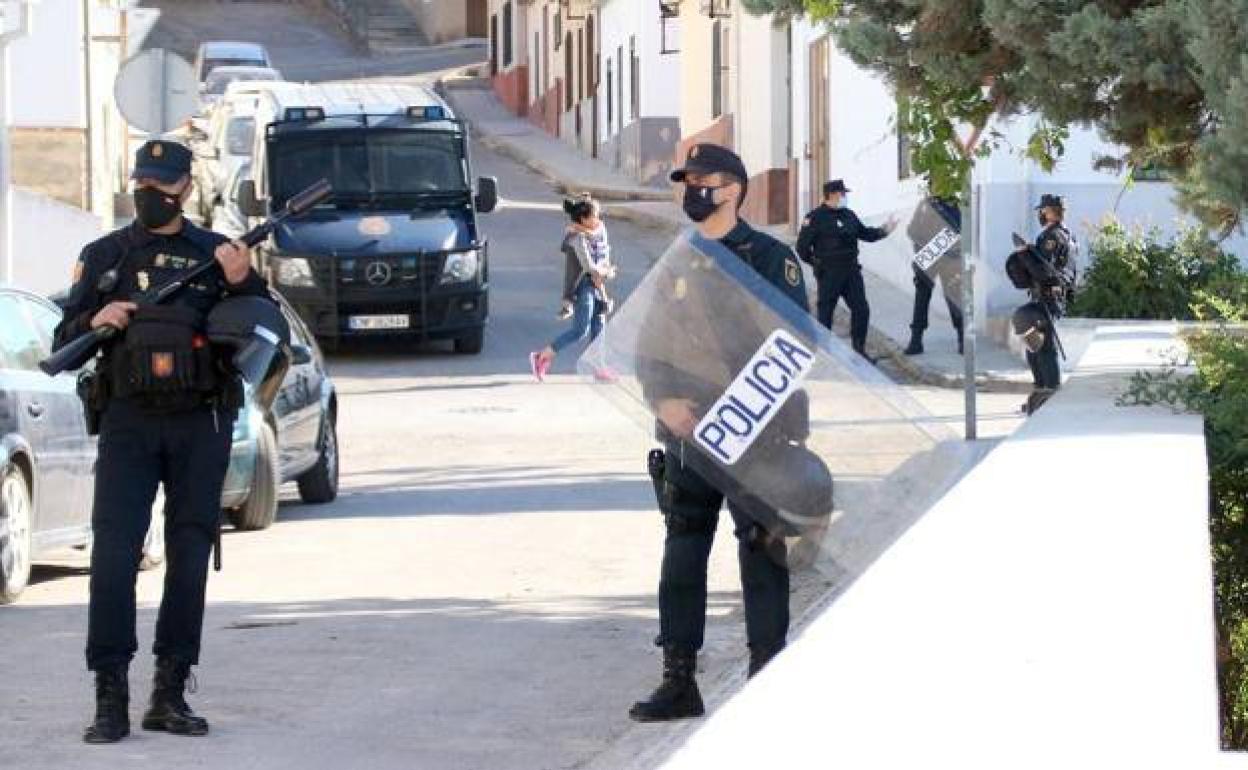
column 715, row 185
column 933, row 216
column 1055, row 248
column 829, row 242
column 168, row 409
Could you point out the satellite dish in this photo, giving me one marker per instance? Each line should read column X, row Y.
column 156, row 91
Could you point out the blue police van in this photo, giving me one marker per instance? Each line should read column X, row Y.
column 397, row 252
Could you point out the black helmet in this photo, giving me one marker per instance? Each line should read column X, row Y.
column 257, row 336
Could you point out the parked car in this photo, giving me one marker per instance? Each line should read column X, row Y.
column 224, row 53
column 227, row 219
column 225, row 145
column 297, row 440
column 213, row 88
column 47, row 460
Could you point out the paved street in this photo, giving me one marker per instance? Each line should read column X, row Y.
column 480, row 596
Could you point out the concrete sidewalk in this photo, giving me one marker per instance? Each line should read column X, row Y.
column 513, row 137
column 997, row 367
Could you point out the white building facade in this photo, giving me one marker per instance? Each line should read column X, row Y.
column 844, row 126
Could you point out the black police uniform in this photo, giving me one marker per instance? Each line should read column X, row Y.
column 182, row 441
column 691, row 508
column 935, row 215
column 829, row 242
column 1053, row 245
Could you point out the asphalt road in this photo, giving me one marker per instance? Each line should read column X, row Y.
column 480, row 596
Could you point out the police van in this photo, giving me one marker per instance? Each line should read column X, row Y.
column 397, row 252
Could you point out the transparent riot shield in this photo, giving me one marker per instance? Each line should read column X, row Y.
column 925, row 245
column 828, row 456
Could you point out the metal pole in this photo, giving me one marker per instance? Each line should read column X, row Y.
column 970, row 210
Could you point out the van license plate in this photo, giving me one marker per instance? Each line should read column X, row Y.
column 378, row 322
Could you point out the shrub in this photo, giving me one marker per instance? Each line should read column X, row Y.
column 1136, row 274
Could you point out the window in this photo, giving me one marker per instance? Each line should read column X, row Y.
column 669, row 26
column 1150, row 172
column 21, row 344
column 610, row 98
column 634, row 79
column 494, row 44
column 567, row 72
column 558, row 28
column 536, row 66
column 580, row 64
column 240, row 134
column 506, row 35
column 545, row 49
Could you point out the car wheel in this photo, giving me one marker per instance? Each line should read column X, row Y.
column 154, row 541
column 472, row 343
column 16, row 526
column 319, row 484
column 260, row 508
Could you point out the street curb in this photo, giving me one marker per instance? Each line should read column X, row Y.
column 447, row 86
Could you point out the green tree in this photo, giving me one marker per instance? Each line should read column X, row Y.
column 1167, row 80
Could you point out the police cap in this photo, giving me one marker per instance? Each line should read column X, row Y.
column 1054, row 201
column 162, row 160
column 835, row 186
column 710, row 159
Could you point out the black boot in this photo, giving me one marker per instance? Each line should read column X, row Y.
column 112, row 707
column 961, row 340
column 169, row 711
column 677, row 697
column 915, row 348
column 861, row 349
column 760, row 657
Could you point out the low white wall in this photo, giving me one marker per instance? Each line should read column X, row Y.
column 1014, row 627
column 47, row 239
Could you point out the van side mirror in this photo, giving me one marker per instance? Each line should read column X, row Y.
column 300, row 355
column 247, row 201
column 487, row 194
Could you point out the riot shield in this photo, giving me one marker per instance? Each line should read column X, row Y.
column 827, row 455
column 926, row 243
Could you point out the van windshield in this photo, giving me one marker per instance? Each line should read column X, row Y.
column 398, row 168
column 212, row 64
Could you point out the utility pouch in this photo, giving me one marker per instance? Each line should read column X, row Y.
column 164, row 359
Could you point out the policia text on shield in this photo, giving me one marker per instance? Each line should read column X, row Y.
column 166, row 395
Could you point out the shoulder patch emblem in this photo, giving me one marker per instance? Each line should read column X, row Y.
column 144, row 281
column 792, row 272
column 1050, row 244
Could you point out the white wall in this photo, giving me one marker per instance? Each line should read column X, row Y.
column 47, row 238
column 50, row 61
column 760, row 106
column 1015, row 630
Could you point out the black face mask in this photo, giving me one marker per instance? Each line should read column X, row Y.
column 154, row 208
column 700, row 202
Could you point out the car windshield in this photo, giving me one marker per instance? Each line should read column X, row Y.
column 239, row 135
column 218, row 81
column 397, row 168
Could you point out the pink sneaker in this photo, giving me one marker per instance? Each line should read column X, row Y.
column 539, row 365
column 605, row 374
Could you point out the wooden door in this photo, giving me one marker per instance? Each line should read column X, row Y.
column 819, row 152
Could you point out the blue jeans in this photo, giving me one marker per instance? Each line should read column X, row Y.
column 584, row 320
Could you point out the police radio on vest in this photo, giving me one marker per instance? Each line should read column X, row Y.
column 755, row 397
